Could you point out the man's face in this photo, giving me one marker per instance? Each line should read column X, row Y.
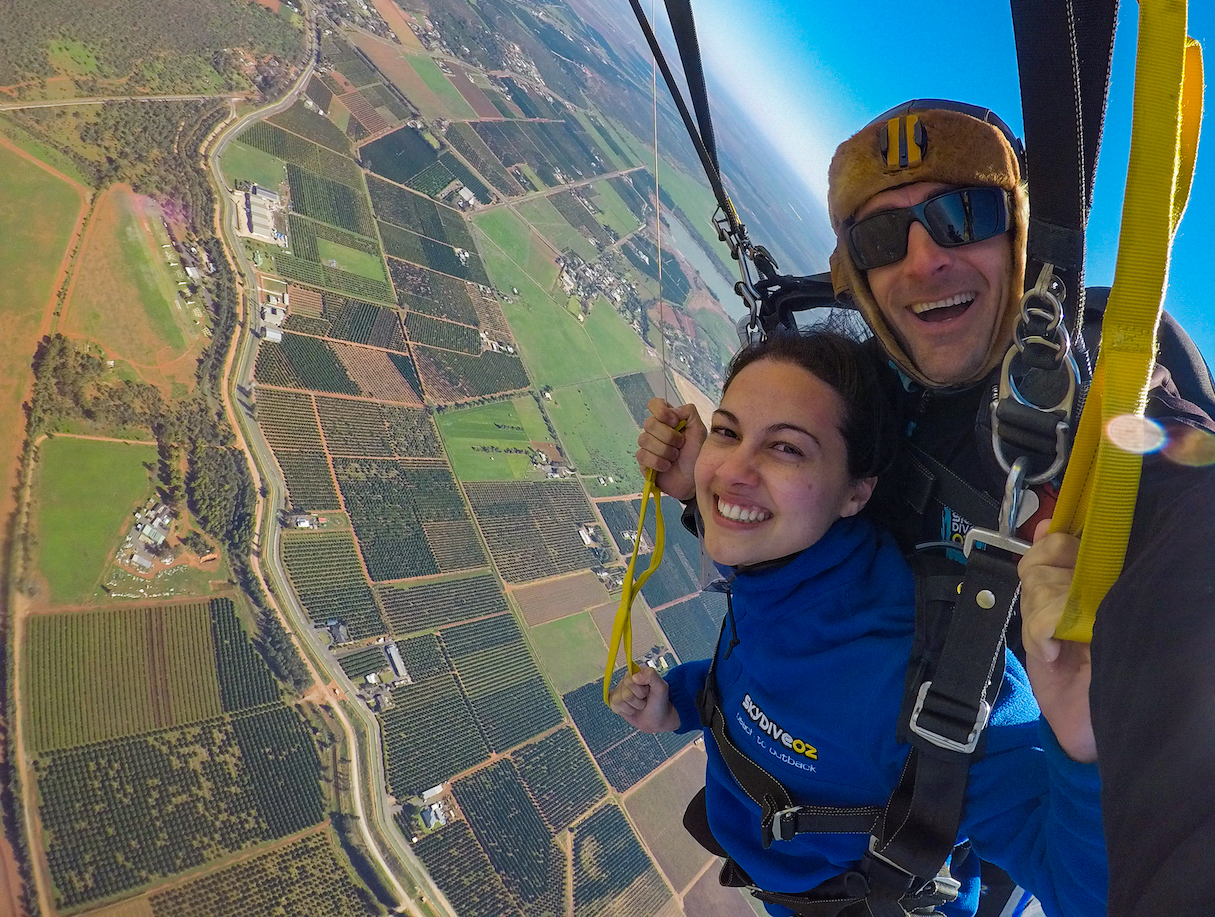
column 943, row 304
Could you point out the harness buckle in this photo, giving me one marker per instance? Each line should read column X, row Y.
column 972, row 739
column 778, row 824
column 1010, row 511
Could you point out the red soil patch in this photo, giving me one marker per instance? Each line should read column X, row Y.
column 472, row 94
column 554, row 599
column 396, row 20
column 388, row 60
column 656, row 808
column 106, row 307
column 272, row 5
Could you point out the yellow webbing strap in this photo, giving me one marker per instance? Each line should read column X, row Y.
column 622, row 627
column 1102, row 480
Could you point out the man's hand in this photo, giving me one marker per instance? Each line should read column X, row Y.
column 643, row 700
column 670, row 452
column 1059, row 670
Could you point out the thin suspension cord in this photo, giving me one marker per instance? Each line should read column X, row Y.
column 666, row 395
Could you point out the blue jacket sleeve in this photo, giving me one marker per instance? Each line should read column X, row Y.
column 1035, row 812
column 684, row 682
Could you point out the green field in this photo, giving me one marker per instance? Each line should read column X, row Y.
column 615, row 212
column 599, row 434
column 352, row 260
column 150, row 273
column 570, row 650
column 614, row 161
column 243, row 161
column 620, row 347
column 540, row 212
column 553, row 344
column 468, row 433
column 84, row 494
column 438, row 83
column 719, row 332
column 517, row 241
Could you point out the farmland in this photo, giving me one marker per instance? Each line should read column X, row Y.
column 599, row 434
column 392, row 505
column 554, row 346
column 556, row 598
column 449, row 377
column 492, row 442
column 571, row 650
column 532, row 529
column 430, row 605
column 454, row 106
column 303, row 362
column 241, row 161
column 125, row 296
column 560, row 776
column 619, row 347
column 427, row 708
column 84, row 491
column 657, row 810
column 521, row 244
column 541, row 213
column 461, row 869
column 38, row 212
column 326, row 573
column 611, row 866
column 348, row 320
column 305, row 877
column 514, row 836
column 134, row 670
column 166, row 786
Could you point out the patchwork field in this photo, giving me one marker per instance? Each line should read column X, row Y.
column 571, row 651
column 556, row 598
column 454, row 105
column 125, row 295
column 657, row 811
column 619, row 346
column 553, row 344
column 599, row 434
column 541, row 213
column 39, row 210
column 493, row 442
column 391, row 61
column 84, row 492
column 522, row 245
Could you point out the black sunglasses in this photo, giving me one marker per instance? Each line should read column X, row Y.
column 952, row 218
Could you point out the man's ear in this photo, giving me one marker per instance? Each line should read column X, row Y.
column 862, row 490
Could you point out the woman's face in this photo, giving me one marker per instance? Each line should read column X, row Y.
column 773, row 474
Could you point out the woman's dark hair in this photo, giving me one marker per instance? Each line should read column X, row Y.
column 868, row 424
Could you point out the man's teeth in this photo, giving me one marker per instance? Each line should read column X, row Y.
column 955, row 300
column 740, row 514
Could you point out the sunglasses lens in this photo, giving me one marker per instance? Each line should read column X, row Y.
column 953, row 218
column 880, row 239
column 965, row 216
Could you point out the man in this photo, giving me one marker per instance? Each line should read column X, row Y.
column 930, row 212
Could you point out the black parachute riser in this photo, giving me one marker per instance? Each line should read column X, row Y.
column 708, row 160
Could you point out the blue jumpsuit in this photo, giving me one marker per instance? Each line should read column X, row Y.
column 812, row 692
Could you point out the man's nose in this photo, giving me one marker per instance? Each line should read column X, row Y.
column 924, row 256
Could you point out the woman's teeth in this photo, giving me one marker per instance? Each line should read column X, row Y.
column 741, row 514
column 955, row 300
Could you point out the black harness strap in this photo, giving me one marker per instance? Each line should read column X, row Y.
column 944, row 716
column 926, row 480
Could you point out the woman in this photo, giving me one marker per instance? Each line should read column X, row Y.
column 818, row 637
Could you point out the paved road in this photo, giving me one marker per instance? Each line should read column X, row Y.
column 367, row 766
column 101, row 100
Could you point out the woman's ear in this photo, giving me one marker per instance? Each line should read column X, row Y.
column 862, row 490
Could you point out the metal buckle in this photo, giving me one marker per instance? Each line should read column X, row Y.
column 972, row 740
column 778, row 822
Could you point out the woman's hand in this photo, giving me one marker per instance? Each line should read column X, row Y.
column 670, row 452
column 643, row 700
column 1059, row 670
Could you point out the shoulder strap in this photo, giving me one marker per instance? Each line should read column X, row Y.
column 946, row 707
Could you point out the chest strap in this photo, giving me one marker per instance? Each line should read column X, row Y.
column 946, row 707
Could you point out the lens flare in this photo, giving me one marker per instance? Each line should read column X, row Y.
column 1139, row 435
column 1191, row 447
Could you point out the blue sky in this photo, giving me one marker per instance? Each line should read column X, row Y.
column 826, row 68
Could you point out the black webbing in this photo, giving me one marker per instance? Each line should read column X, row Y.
column 1064, row 51
column 708, row 160
column 684, row 27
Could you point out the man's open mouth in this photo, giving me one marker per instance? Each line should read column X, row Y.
column 942, row 310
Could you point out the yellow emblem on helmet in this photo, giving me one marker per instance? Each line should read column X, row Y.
column 903, row 143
